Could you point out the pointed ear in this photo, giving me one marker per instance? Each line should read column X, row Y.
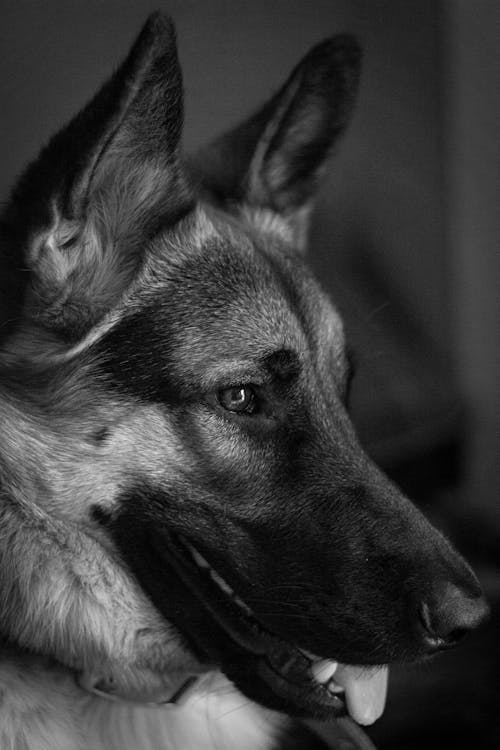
column 82, row 211
column 276, row 158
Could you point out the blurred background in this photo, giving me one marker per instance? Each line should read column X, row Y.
column 405, row 236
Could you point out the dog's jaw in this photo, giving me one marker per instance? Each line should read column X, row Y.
column 363, row 689
column 222, row 630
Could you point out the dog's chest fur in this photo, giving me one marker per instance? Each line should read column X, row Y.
column 44, row 709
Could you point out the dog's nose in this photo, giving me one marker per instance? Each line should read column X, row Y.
column 450, row 613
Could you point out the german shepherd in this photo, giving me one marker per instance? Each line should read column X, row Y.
column 187, row 517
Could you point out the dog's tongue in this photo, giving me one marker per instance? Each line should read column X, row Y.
column 365, row 691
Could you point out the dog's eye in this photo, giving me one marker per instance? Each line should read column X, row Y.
column 239, row 399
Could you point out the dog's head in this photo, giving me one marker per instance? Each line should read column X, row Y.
column 191, row 379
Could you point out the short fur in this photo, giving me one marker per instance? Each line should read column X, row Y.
column 140, row 290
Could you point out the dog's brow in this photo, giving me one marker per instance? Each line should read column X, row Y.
column 282, row 364
column 232, row 372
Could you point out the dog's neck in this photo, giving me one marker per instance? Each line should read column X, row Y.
column 41, row 701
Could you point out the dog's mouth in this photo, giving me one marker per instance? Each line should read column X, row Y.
column 265, row 666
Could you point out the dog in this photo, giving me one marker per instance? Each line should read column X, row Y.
column 195, row 550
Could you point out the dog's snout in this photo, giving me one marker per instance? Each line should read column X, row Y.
column 450, row 613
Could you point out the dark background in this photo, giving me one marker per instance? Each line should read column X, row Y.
column 406, row 237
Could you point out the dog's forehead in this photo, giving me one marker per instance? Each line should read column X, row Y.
column 235, row 288
column 217, row 297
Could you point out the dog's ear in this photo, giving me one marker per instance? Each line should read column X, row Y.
column 275, row 159
column 83, row 210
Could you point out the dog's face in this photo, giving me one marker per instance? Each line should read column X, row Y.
column 199, row 377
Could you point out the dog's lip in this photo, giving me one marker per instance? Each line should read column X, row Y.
column 362, row 689
column 284, row 668
column 301, row 677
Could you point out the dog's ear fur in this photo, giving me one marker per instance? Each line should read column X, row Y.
column 275, row 159
column 78, row 216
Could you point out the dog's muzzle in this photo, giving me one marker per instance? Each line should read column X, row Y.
column 363, row 690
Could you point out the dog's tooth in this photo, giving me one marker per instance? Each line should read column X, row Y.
column 334, row 687
column 309, row 655
column 324, row 670
column 199, row 559
column 221, row 583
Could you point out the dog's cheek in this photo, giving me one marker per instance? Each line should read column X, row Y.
column 226, row 446
column 140, row 444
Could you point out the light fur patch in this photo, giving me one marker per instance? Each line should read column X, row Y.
column 203, row 229
column 268, row 221
column 62, row 591
column 292, row 229
column 41, row 708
